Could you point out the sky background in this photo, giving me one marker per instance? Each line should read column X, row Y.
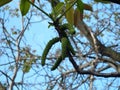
column 37, row 36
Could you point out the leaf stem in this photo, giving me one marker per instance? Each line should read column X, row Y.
column 39, row 9
column 67, row 9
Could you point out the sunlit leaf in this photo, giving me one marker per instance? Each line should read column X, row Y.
column 77, row 16
column 24, row 7
column 82, row 6
column 3, row 2
column 70, row 13
column 58, row 9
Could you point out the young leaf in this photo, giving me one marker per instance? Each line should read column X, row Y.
column 69, row 14
column 24, row 7
column 58, row 9
column 82, row 6
column 77, row 16
column 3, row 2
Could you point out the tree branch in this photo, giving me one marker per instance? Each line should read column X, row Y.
column 90, row 72
column 114, row 1
column 102, row 49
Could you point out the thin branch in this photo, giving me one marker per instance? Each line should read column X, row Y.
column 114, row 1
column 90, row 72
column 39, row 8
column 102, row 49
column 13, row 78
column 6, row 75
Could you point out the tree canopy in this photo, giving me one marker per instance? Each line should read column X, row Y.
column 84, row 49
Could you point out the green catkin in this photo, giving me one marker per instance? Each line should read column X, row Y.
column 47, row 48
column 63, row 27
column 65, row 43
column 57, row 63
column 71, row 29
column 71, row 49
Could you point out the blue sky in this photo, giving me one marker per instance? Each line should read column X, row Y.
column 37, row 36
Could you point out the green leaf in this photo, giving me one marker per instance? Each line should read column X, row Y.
column 69, row 14
column 3, row 2
column 80, row 5
column 58, row 9
column 24, row 7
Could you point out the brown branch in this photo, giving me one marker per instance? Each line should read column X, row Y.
column 95, row 73
column 102, row 49
column 114, row 1
column 106, row 75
